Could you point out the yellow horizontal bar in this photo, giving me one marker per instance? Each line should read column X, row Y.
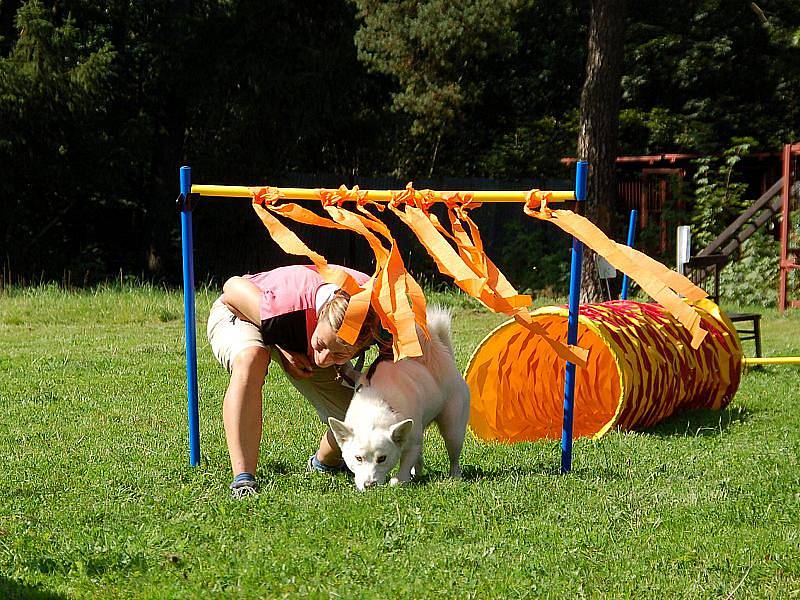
column 240, row 191
column 222, row 191
column 774, row 360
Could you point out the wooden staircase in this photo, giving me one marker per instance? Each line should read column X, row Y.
column 768, row 206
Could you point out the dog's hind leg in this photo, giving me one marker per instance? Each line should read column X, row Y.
column 452, row 423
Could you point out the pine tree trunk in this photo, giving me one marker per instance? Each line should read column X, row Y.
column 597, row 139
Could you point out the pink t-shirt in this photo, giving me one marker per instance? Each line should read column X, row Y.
column 294, row 288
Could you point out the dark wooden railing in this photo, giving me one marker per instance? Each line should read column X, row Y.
column 757, row 214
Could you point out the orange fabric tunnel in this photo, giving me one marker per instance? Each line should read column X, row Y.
column 641, row 370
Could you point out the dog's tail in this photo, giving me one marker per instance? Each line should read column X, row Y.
column 439, row 320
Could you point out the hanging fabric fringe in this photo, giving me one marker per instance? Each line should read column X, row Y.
column 470, row 267
column 391, row 290
column 459, row 254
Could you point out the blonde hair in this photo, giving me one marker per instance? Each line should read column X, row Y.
column 333, row 312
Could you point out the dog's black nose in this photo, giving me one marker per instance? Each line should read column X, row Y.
column 369, row 484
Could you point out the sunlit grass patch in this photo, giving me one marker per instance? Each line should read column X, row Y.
column 97, row 498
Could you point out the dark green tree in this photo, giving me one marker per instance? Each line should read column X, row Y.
column 698, row 74
column 103, row 101
column 483, row 84
column 55, row 89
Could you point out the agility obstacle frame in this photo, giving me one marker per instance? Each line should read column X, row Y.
column 185, row 202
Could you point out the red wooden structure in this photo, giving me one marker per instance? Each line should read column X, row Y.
column 652, row 183
column 790, row 255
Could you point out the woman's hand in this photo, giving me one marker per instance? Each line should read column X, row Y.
column 296, row 364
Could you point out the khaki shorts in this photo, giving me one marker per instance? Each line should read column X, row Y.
column 228, row 336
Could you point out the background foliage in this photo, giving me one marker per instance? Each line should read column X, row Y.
column 100, row 102
column 745, row 280
column 719, row 196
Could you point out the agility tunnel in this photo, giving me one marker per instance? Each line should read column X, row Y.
column 641, row 369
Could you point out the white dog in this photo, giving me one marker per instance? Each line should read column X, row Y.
column 390, row 411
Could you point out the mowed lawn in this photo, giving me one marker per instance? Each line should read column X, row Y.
column 97, row 498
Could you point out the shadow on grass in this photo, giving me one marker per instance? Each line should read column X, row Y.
column 280, row 467
column 701, row 422
column 550, row 469
column 696, row 423
column 14, row 590
column 476, row 473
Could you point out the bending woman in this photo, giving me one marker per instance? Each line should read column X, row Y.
column 288, row 315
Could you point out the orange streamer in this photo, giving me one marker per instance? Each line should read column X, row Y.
column 660, row 282
column 390, row 286
column 470, row 267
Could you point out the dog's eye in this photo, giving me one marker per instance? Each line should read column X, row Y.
column 381, row 459
column 359, row 458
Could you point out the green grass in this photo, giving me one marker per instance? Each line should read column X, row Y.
column 97, row 498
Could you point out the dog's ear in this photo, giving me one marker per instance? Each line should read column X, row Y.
column 340, row 430
column 400, row 431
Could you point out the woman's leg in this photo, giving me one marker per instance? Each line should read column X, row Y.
column 329, row 452
column 330, row 398
column 241, row 410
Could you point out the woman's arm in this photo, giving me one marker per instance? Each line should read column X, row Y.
column 296, row 364
column 243, row 298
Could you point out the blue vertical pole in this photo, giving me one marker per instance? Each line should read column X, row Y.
column 631, row 239
column 572, row 330
column 189, row 316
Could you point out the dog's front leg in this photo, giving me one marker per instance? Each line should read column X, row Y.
column 410, row 456
column 416, row 472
